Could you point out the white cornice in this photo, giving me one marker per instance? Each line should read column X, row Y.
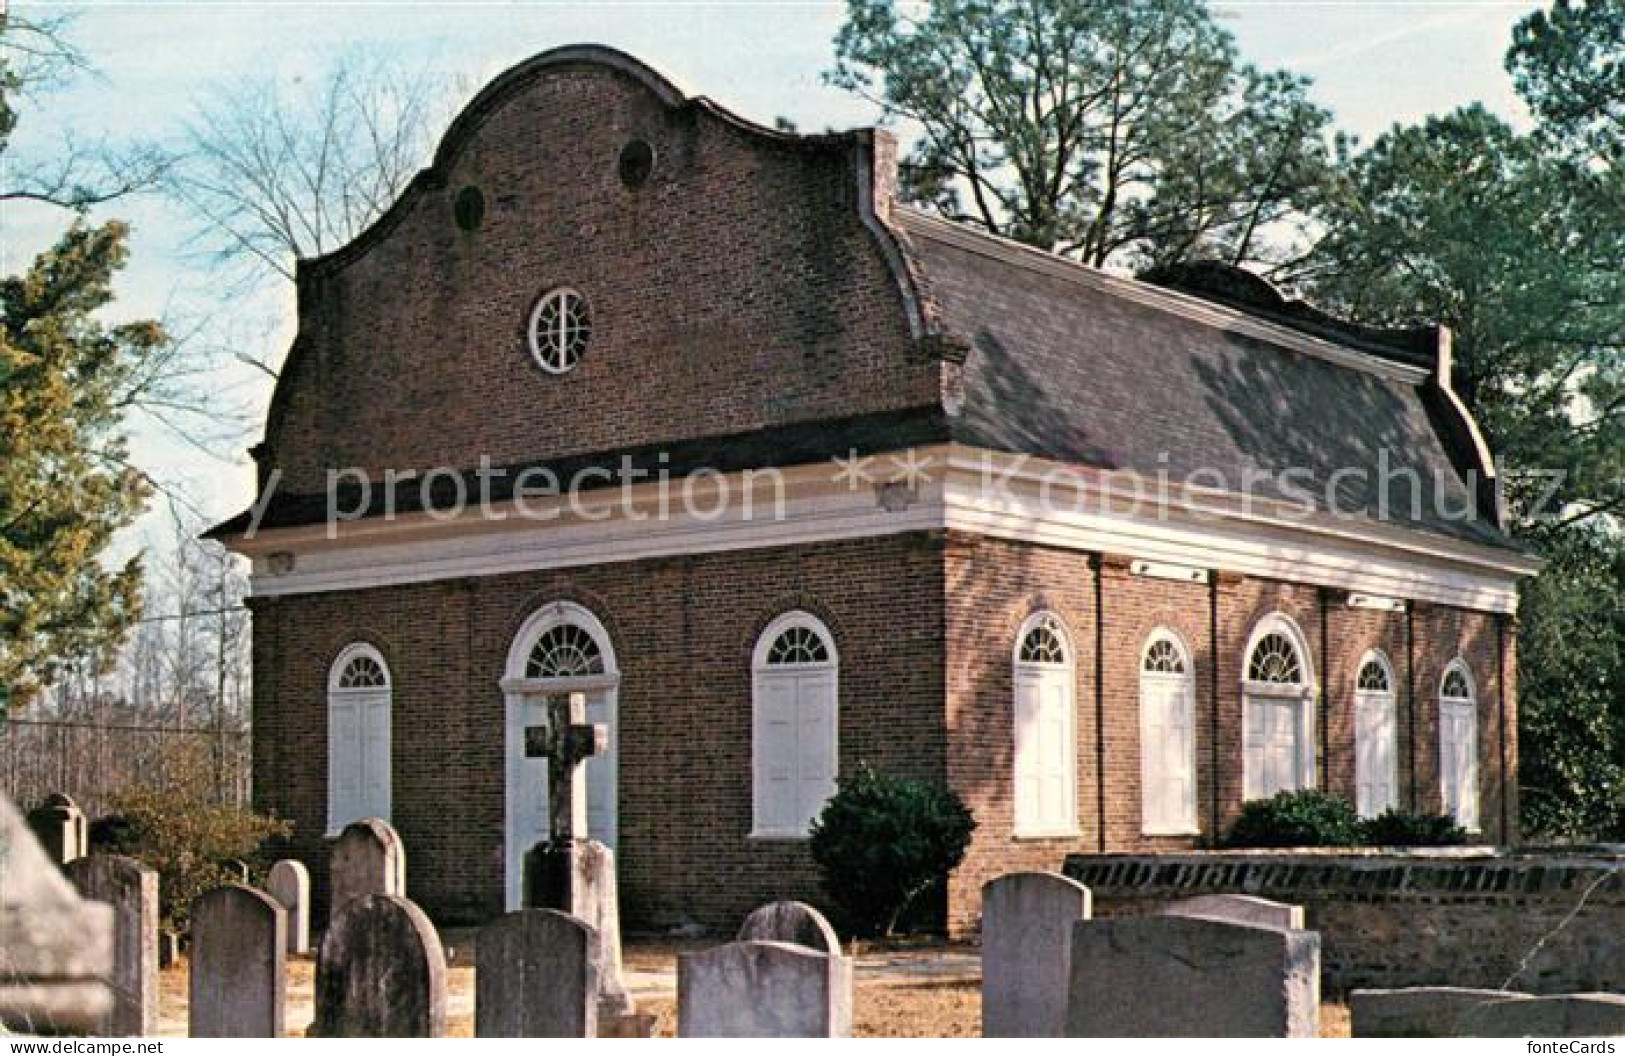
column 1199, row 532
column 1181, row 304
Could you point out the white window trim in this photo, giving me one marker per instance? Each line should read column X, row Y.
column 1390, row 698
column 1470, row 704
column 759, row 667
column 1187, row 683
column 1307, row 692
column 1070, row 828
column 517, row 689
column 335, row 673
column 561, row 294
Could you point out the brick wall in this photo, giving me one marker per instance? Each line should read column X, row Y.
column 683, row 631
column 1536, row 924
column 737, row 289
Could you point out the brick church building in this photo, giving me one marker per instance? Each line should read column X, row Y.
column 630, row 397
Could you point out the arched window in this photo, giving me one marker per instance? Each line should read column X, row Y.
column 1167, row 737
column 1045, row 740
column 1458, row 745
column 358, row 720
column 794, row 703
column 1278, row 745
column 1376, row 736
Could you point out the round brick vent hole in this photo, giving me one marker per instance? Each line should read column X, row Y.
column 469, row 208
column 637, row 162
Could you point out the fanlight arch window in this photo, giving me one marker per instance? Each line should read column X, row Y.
column 1045, row 738
column 1376, row 736
column 359, row 702
column 567, row 650
column 1278, row 752
column 1167, row 737
column 795, row 694
column 1458, row 745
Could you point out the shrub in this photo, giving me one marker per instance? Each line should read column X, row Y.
column 882, row 842
column 1305, row 818
column 1395, row 828
column 174, row 826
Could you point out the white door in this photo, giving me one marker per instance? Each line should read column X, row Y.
column 1043, row 747
column 1273, row 746
column 530, row 776
column 1167, row 754
column 1376, row 754
column 1458, row 762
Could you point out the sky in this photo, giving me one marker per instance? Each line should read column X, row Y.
column 1373, row 64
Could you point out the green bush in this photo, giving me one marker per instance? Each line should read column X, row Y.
column 1305, row 818
column 1395, row 828
column 174, row 826
column 883, row 842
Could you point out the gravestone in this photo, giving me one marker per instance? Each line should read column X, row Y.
column 1420, row 1011
column 380, row 973
column 132, row 890
column 239, row 953
column 537, row 977
column 568, row 872
column 792, row 922
column 289, row 883
column 57, row 948
column 61, row 828
column 368, row 858
column 763, row 990
column 1238, row 909
column 1187, row 977
column 1558, row 1016
column 1027, row 923
column 169, row 949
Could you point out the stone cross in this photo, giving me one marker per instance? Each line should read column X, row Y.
column 566, row 741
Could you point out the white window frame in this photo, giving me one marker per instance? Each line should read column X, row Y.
column 336, row 695
column 546, row 357
column 1022, row 671
column 761, row 674
column 1185, row 683
column 1303, row 694
column 1388, row 700
column 1463, row 706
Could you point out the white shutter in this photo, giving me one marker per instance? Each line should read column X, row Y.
column 775, row 753
column 1253, row 748
column 374, row 755
column 1167, row 759
column 1375, row 753
column 602, row 821
column 815, row 745
column 343, row 761
column 1458, row 762
column 1045, row 784
column 1029, row 704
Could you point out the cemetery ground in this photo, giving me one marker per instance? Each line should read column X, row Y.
column 903, row 989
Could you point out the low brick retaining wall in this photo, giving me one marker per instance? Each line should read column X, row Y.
column 1542, row 924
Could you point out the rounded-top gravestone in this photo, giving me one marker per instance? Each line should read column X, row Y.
column 1027, row 923
column 132, row 890
column 380, row 973
column 289, row 883
column 537, row 977
column 237, row 986
column 368, row 859
column 793, row 922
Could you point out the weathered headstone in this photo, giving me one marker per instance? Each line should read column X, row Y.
column 380, row 973
column 1027, row 923
column 537, row 977
column 1419, row 1012
column 1238, row 909
column 1558, row 1016
column 793, row 922
column 763, row 990
column 368, row 859
column 61, row 828
column 132, row 890
column 237, row 988
column 56, row 949
column 1185, row 977
column 289, row 883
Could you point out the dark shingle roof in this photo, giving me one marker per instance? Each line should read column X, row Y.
column 1088, row 369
